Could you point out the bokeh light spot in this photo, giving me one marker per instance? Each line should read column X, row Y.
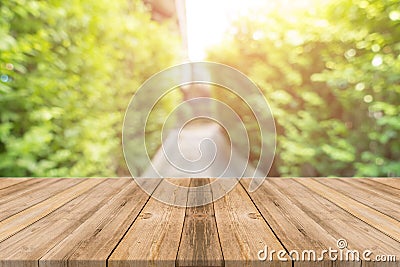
column 360, row 86
column 368, row 98
column 394, row 15
column 377, row 61
column 4, row 78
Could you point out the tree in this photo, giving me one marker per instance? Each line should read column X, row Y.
column 331, row 75
column 68, row 70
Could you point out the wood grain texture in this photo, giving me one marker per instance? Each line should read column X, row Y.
column 393, row 182
column 27, row 196
column 380, row 221
column 199, row 245
column 365, row 195
column 292, row 225
column 337, row 222
column 153, row 239
column 6, row 182
column 19, row 221
column 17, row 187
column 34, row 241
column 95, row 239
column 112, row 222
column 243, row 231
column 384, row 191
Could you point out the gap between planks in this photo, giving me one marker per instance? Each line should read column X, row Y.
column 380, row 221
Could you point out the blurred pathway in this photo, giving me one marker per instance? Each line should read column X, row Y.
column 191, row 153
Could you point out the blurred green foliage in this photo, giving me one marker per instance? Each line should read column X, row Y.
column 68, row 71
column 331, row 74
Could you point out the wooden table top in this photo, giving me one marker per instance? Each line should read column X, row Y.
column 112, row 222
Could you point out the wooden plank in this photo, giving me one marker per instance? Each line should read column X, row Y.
column 21, row 186
column 103, row 222
column 94, row 240
column 338, row 223
column 393, row 182
column 243, row 232
column 385, row 191
column 200, row 244
column 363, row 194
column 28, row 196
column 154, row 237
column 290, row 223
column 33, row 242
column 19, row 221
column 6, row 182
column 380, row 221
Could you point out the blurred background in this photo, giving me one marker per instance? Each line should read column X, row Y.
column 329, row 69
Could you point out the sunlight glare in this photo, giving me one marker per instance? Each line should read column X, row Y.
column 208, row 20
